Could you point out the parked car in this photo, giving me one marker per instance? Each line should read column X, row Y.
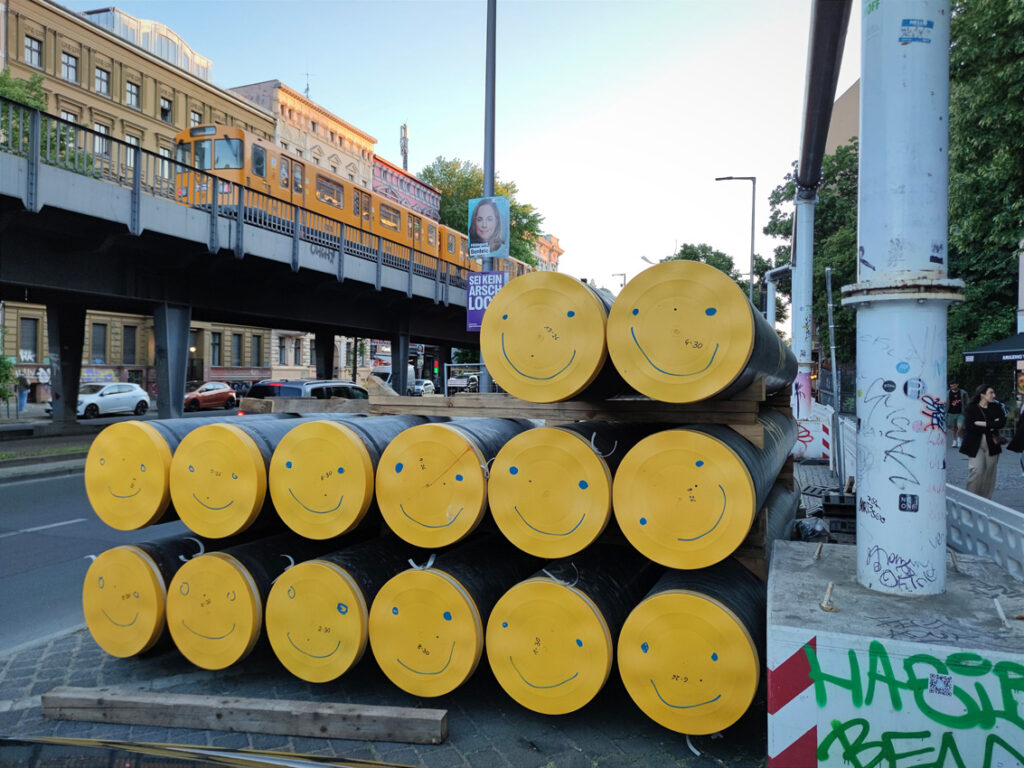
column 120, row 397
column 323, row 389
column 383, row 372
column 211, row 394
column 422, row 387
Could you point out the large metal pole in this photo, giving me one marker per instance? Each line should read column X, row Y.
column 902, row 296
column 488, row 265
column 770, row 278
column 837, row 446
column 802, row 298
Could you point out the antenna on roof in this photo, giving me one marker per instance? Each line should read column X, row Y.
column 308, row 75
column 403, row 140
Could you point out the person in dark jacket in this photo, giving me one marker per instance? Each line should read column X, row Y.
column 982, row 422
column 1017, row 443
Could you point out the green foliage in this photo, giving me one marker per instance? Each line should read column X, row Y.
column 7, row 374
column 29, row 92
column 986, row 171
column 461, row 181
column 835, row 242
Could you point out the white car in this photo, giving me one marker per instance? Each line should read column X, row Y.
column 97, row 399
column 422, row 387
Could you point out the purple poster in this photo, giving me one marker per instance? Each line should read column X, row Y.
column 482, row 287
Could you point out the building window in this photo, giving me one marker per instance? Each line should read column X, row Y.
column 312, row 352
column 195, row 118
column 313, row 127
column 133, row 144
column 166, row 110
column 34, row 52
column 298, row 153
column 98, row 343
column 281, row 359
column 298, row 351
column 128, row 353
column 71, row 117
column 215, row 348
column 101, row 83
column 69, row 67
column 257, row 350
column 165, row 162
column 28, row 340
column 101, row 145
column 131, row 95
column 236, row 350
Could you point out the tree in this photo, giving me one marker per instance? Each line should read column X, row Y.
column 29, row 92
column 986, row 171
column 461, row 181
column 8, row 377
column 835, row 242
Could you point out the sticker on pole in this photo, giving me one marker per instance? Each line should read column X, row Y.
column 916, row 31
column 482, row 288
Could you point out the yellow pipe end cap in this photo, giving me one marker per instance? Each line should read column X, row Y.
column 123, row 598
column 127, row 475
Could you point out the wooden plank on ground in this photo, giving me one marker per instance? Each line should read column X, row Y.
column 323, row 720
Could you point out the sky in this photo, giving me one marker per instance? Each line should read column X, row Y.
column 613, row 117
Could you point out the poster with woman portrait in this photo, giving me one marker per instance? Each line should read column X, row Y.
column 488, row 227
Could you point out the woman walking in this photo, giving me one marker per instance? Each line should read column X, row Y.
column 982, row 422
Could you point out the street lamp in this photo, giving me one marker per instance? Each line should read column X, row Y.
column 622, row 275
column 753, row 198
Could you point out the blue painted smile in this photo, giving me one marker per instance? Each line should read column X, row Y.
column 442, row 669
column 636, row 341
column 316, row 511
column 215, row 509
column 443, row 525
column 118, row 623
column 709, row 530
column 683, row 706
column 208, row 637
column 528, row 376
column 555, row 685
column 312, row 655
column 546, row 533
column 126, row 496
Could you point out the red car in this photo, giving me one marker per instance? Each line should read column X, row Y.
column 212, row 394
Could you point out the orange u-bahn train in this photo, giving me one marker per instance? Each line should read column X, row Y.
column 244, row 159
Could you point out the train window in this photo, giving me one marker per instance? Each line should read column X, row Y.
column 464, row 247
column 297, row 177
column 183, row 153
column 390, row 217
column 329, row 192
column 451, row 243
column 203, row 152
column 228, row 154
column 285, row 173
column 431, row 234
column 414, row 227
column 259, row 161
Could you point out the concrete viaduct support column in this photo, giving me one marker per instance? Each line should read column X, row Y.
column 803, row 299
column 65, row 331
column 170, row 326
column 901, row 297
column 324, row 342
column 400, row 361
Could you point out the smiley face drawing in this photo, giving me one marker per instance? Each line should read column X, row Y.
column 317, row 620
column 688, row 662
column 321, row 479
column 680, row 331
column 548, row 646
column 218, row 480
column 684, row 498
column 123, row 601
column 214, row 610
column 126, row 475
column 426, row 632
column 431, row 486
column 550, row 492
column 542, row 337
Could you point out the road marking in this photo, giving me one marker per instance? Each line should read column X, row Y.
column 42, row 527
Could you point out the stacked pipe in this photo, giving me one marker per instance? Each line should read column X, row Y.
column 684, row 497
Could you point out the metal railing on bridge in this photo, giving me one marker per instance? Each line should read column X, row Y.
column 42, row 138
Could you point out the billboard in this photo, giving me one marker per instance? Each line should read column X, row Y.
column 482, row 288
column 488, row 227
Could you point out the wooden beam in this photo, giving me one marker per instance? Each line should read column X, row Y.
column 323, row 720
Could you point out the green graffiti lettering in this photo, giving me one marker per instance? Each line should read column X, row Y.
column 857, row 751
column 971, row 716
column 877, row 657
column 1011, row 681
column 990, row 746
column 893, row 757
column 968, row 664
column 851, row 684
column 947, row 749
column 852, row 751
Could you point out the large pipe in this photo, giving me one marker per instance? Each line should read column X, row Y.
column 550, row 488
column 127, row 470
column 803, row 299
column 318, row 612
column 551, row 638
column 322, row 472
column 686, row 497
column 901, row 297
column 690, row 655
column 771, row 279
column 683, row 331
column 432, row 479
column 543, row 339
column 427, row 623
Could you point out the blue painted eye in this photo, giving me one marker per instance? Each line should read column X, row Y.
column 142, row 467
column 291, row 592
column 714, row 657
column 288, row 464
column 395, row 610
column 342, row 609
column 710, row 311
column 458, row 478
column 504, row 317
column 504, row 624
column 341, row 470
column 579, row 643
column 100, row 582
column 234, row 476
column 643, row 521
column 191, row 468
column 513, row 470
column 645, row 647
column 570, row 313
column 231, row 596
column 447, row 615
column 135, row 594
column 584, row 485
column 636, row 311
column 700, row 463
column 102, row 462
column 183, row 587
column 399, row 466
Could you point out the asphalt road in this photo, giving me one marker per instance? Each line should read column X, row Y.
column 48, row 532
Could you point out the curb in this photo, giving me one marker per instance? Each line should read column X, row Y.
column 41, row 470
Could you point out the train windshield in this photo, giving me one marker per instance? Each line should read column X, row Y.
column 183, row 153
column 203, row 154
column 228, row 154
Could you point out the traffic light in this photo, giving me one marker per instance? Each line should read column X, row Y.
column 436, row 365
